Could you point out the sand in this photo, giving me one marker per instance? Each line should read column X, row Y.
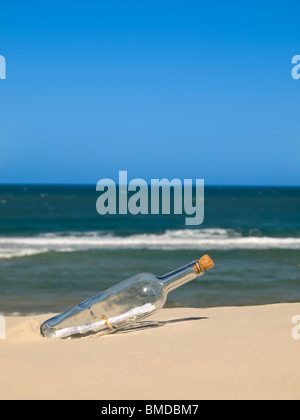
column 196, row 354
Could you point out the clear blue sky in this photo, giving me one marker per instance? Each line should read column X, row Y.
column 186, row 89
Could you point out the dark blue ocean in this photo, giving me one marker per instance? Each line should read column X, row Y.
column 56, row 250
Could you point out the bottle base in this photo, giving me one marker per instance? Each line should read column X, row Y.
column 46, row 331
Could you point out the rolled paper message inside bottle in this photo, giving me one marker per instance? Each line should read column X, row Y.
column 124, row 304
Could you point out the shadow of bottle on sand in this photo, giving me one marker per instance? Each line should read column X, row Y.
column 138, row 326
column 143, row 325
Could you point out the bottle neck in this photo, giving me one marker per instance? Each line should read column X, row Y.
column 179, row 277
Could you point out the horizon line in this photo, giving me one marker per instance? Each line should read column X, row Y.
column 46, row 184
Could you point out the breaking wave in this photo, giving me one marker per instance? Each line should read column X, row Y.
column 188, row 239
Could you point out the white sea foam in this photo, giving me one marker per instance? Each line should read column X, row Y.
column 204, row 239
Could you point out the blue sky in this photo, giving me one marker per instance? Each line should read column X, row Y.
column 183, row 89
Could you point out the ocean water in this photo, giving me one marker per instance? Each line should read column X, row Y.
column 56, row 250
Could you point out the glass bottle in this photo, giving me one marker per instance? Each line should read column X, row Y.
column 122, row 305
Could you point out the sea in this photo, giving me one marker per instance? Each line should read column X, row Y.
column 56, row 250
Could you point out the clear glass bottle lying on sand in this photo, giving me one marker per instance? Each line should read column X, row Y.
column 122, row 305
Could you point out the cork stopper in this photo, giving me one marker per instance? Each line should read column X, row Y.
column 205, row 263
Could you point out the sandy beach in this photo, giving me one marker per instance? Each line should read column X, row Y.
column 215, row 353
